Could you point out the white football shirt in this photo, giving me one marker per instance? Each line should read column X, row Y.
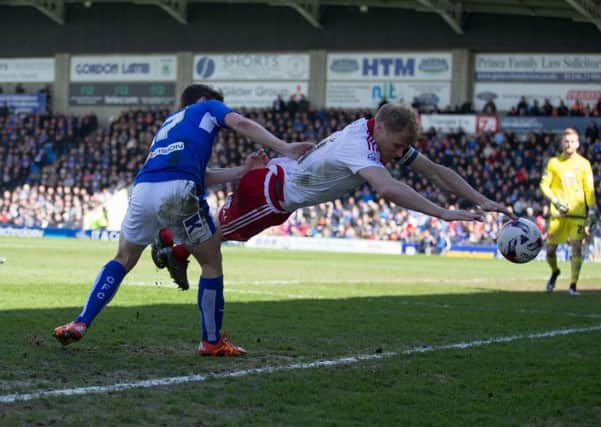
column 330, row 170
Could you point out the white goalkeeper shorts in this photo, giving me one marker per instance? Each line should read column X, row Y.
column 170, row 204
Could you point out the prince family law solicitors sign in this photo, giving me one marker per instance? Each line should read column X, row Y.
column 506, row 78
column 582, row 67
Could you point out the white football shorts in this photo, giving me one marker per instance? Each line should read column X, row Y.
column 173, row 204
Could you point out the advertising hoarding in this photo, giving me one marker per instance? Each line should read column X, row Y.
column 123, row 68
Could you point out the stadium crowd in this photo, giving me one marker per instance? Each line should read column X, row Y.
column 578, row 108
column 55, row 169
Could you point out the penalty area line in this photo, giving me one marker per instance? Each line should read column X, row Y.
column 167, row 381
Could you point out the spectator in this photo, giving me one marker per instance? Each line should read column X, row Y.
column 547, row 108
column 47, row 90
column 4, row 110
column 490, row 107
column 279, row 105
column 19, row 88
column 577, row 108
column 298, row 101
column 101, row 222
column 591, row 133
column 535, row 110
column 415, row 104
column 467, row 108
column 562, row 110
column 523, row 107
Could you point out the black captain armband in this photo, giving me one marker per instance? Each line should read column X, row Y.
column 409, row 155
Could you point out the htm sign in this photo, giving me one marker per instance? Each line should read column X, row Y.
column 388, row 67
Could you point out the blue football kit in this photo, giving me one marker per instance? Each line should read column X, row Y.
column 180, row 150
column 182, row 146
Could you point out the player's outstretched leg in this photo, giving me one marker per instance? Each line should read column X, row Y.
column 104, row 288
column 70, row 332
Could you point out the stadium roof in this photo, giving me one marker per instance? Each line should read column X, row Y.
column 451, row 11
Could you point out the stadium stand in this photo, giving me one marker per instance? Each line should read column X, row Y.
column 577, row 109
column 58, row 168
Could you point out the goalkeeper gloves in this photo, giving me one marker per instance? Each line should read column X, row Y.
column 561, row 206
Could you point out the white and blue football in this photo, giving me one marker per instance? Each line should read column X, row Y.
column 520, row 241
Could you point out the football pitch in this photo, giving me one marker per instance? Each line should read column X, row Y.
column 333, row 339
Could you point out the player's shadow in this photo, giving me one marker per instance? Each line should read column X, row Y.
column 151, row 341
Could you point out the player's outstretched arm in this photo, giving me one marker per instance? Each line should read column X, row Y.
column 401, row 194
column 257, row 133
column 216, row 176
column 450, row 181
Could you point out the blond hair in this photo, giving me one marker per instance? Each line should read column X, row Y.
column 398, row 117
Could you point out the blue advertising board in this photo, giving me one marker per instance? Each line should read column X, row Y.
column 24, row 102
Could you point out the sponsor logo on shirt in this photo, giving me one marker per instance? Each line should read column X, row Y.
column 208, row 123
column 164, row 151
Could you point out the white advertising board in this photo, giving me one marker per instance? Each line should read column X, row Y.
column 325, row 244
column 449, row 122
column 538, row 67
column 507, row 95
column 26, row 70
column 425, row 66
column 123, row 68
column 370, row 94
column 258, row 94
column 257, row 66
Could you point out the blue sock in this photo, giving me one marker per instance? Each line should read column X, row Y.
column 106, row 284
column 211, row 305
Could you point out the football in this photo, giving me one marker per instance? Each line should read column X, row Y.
column 520, row 241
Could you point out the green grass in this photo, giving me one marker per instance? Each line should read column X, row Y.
column 292, row 307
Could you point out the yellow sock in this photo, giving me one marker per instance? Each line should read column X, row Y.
column 552, row 261
column 576, row 265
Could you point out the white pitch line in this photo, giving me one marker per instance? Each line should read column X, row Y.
column 11, row 398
